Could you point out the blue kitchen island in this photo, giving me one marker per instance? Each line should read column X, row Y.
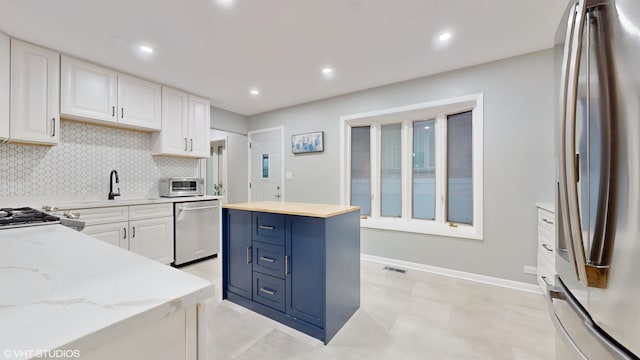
column 295, row 263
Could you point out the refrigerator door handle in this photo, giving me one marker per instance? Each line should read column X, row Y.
column 570, row 145
column 567, row 60
column 559, row 293
column 597, row 264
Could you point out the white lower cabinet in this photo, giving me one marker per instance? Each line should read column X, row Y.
column 112, row 233
column 144, row 229
column 153, row 238
column 546, row 266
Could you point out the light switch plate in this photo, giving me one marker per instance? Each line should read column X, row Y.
column 288, row 175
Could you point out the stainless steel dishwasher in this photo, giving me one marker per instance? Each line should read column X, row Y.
column 197, row 231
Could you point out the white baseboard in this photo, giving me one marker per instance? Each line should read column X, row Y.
column 516, row 285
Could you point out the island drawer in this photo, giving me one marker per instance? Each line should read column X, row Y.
column 268, row 291
column 268, row 228
column 269, row 259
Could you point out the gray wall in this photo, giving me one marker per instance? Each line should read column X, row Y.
column 518, row 161
column 233, row 127
column 229, row 121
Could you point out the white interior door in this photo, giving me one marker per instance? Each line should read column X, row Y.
column 266, row 165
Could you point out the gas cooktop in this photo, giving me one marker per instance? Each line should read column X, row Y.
column 25, row 216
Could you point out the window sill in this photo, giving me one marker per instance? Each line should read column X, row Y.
column 423, row 227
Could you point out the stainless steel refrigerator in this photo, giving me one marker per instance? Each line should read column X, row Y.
column 595, row 298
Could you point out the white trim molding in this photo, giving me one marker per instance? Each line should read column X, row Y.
column 483, row 279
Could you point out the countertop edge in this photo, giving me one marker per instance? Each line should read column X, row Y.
column 130, row 202
column 551, row 207
column 138, row 321
column 320, row 213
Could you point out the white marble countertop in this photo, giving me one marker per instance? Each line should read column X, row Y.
column 93, row 201
column 62, row 288
column 85, row 204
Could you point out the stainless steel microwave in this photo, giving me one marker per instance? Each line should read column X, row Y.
column 174, row 187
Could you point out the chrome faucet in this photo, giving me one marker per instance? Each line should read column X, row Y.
column 113, row 195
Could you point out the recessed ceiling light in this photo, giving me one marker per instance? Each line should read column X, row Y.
column 225, row 3
column 146, row 49
column 328, row 72
column 444, row 36
column 426, row 128
column 254, row 92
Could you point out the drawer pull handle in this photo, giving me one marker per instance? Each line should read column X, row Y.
column 248, row 254
column 268, row 291
column 265, row 227
column 547, row 247
column 547, row 221
column 286, row 265
column 267, row 259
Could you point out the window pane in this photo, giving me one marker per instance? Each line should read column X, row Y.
column 265, row 166
column 361, row 168
column 459, row 169
column 390, row 176
column 424, row 170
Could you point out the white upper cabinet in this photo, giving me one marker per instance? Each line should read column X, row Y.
column 175, row 123
column 35, row 94
column 88, row 91
column 139, row 103
column 5, row 58
column 199, row 121
column 96, row 94
column 185, row 125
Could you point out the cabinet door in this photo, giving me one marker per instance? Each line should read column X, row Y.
column 35, row 94
column 305, row 275
column 152, row 238
column 199, row 123
column 5, row 57
column 88, row 91
column 174, row 136
column 139, row 103
column 114, row 233
column 237, row 252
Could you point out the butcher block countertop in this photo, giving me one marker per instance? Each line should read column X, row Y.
column 294, row 208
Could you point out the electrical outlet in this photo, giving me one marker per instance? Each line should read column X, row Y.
column 530, row 270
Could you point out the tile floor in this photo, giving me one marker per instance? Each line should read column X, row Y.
column 416, row 315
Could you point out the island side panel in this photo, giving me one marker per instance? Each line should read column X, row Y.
column 342, row 270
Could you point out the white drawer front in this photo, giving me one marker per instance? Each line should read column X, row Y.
column 138, row 212
column 103, row 215
column 546, row 220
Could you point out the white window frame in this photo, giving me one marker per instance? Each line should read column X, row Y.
column 406, row 115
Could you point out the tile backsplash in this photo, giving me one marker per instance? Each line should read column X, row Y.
column 80, row 164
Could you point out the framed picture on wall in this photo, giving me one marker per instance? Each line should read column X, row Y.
column 308, row 143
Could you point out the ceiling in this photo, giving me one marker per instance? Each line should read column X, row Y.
column 221, row 49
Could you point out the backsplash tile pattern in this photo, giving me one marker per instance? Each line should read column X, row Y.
column 81, row 163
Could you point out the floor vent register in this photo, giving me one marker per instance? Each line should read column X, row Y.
column 389, row 268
